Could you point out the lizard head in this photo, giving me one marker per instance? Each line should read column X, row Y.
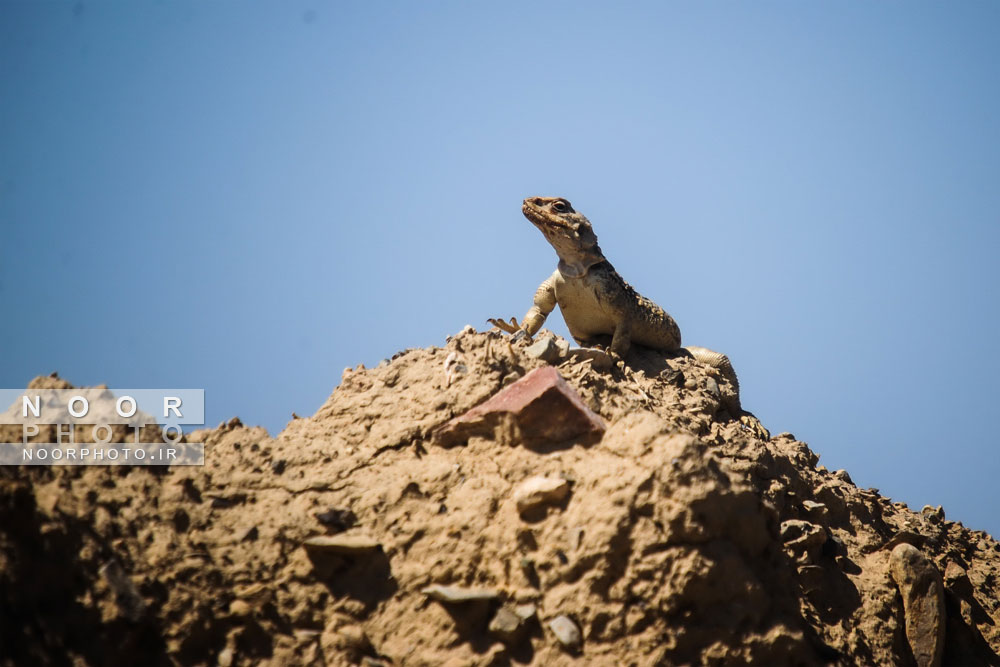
column 567, row 230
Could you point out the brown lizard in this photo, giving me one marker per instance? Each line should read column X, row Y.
column 596, row 302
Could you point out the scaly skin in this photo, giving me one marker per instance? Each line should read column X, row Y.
column 597, row 302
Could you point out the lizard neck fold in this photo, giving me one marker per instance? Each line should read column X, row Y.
column 578, row 268
column 575, row 259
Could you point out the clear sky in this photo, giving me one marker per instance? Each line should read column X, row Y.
column 248, row 198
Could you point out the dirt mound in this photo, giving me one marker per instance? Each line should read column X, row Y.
column 357, row 537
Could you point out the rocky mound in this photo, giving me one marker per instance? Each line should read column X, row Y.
column 600, row 515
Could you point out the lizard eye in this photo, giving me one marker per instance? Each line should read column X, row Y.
column 559, row 206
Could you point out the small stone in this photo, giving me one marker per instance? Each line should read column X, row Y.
column 347, row 545
column 810, row 578
column 130, row 603
column 453, row 367
column 599, row 359
column 526, row 611
column 811, row 506
column 225, row 658
column 563, row 346
column 920, row 585
column 539, row 408
column 239, row 609
column 544, row 349
column 713, row 387
column 904, row 536
column 933, row 515
column 844, row 477
column 672, row 376
column 337, row 520
column 955, row 576
column 353, row 638
column 459, row 593
column 539, row 491
column 803, row 539
column 506, row 625
column 565, row 631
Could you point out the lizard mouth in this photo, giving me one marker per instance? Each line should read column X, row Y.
column 540, row 217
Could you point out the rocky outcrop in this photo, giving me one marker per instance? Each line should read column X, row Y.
column 485, row 503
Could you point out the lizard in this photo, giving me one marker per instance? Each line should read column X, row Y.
column 596, row 302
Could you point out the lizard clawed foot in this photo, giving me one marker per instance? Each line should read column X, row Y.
column 509, row 327
column 752, row 424
column 512, row 327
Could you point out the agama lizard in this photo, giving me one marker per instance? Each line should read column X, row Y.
column 596, row 302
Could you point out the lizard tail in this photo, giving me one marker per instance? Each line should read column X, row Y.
column 716, row 360
column 721, row 362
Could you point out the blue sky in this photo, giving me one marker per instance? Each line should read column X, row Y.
column 248, row 198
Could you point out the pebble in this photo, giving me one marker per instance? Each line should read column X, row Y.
column 538, row 491
column 353, row 637
column 803, row 539
column 453, row 367
column 506, row 625
column 955, row 575
column 813, row 507
column 600, row 360
column 906, row 536
column 239, row 608
column 565, row 631
column 130, row 603
column 348, row 545
column 526, row 611
column 544, row 349
column 933, row 515
column 810, row 578
column 713, row 387
column 843, row 476
column 336, row 519
column 672, row 376
column 459, row 593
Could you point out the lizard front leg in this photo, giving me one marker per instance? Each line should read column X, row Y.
column 622, row 339
column 544, row 303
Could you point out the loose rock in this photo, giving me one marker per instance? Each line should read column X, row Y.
column 526, row 611
column 348, row 545
column 803, row 540
column 538, row 491
column 506, row 625
column 920, row 585
column 566, row 631
column 544, row 349
column 600, row 360
column 459, row 593
column 540, row 407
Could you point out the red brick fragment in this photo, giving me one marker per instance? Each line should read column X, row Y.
column 539, row 408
